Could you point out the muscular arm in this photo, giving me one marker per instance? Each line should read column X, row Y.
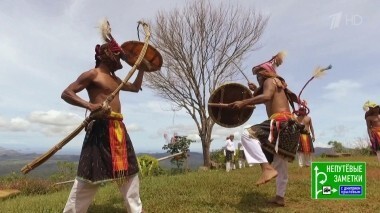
column 70, row 93
column 136, row 85
column 268, row 91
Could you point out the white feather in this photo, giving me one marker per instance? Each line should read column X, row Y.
column 281, row 55
column 318, row 72
column 105, row 29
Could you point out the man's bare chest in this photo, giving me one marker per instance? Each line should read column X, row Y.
column 106, row 83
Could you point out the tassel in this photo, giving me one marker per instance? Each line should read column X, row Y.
column 278, row 136
column 317, row 73
column 271, row 137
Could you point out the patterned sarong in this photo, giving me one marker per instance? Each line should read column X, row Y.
column 107, row 152
column 229, row 155
column 375, row 131
column 279, row 135
column 305, row 143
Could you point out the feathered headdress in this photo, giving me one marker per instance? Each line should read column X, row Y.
column 105, row 30
column 270, row 66
column 369, row 104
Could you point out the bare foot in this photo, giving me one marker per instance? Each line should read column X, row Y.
column 267, row 175
column 278, row 200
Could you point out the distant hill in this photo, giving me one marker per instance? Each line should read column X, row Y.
column 195, row 160
column 8, row 152
column 320, row 150
column 13, row 161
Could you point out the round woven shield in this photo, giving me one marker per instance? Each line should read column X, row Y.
column 218, row 105
column 152, row 60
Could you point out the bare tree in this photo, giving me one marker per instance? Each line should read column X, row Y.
column 362, row 146
column 202, row 45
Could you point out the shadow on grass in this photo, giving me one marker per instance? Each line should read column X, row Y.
column 106, row 208
column 255, row 202
column 112, row 204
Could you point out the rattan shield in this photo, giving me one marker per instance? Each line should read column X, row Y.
column 152, row 60
column 218, row 105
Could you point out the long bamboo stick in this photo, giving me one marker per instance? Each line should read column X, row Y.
column 170, row 156
column 44, row 157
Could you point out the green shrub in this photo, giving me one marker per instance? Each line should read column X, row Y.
column 66, row 171
column 179, row 144
column 149, row 166
column 218, row 157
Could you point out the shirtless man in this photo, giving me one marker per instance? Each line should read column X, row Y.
column 372, row 117
column 259, row 140
column 305, row 148
column 107, row 152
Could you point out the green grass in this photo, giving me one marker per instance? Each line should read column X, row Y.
column 214, row 191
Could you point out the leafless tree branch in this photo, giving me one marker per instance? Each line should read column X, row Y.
column 201, row 45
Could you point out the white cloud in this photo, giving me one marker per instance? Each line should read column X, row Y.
column 18, row 124
column 341, row 89
column 194, row 137
column 55, row 118
column 134, row 128
column 49, row 130
column 3, row 122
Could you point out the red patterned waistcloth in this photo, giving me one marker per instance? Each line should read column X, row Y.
column 107, row 152
column 375, row 132
column 117, row 143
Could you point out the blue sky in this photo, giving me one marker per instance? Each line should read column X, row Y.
column 45, row 45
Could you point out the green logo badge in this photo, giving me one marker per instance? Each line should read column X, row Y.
column 338, row 180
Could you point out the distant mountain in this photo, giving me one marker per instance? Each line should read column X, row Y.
column 320, row 150
column 8, row 152
column 195, row 160
column 13, row 161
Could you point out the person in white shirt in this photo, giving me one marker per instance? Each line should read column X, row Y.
column 230, row 152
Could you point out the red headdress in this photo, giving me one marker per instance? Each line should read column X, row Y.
column 269, row 67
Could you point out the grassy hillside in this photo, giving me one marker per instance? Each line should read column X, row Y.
column 214, row 191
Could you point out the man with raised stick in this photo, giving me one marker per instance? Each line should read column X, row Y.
column 107, row 152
